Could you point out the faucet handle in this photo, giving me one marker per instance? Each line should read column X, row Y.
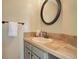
column 44, row 34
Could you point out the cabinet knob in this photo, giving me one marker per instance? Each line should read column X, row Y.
column 28, row 52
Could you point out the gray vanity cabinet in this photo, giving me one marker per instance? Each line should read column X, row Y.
column 32, row 52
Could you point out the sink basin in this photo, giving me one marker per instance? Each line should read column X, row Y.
column 41, row 40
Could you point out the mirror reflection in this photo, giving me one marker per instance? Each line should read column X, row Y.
column 50, row 11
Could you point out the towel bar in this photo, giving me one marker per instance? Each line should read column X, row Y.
column 7, row 22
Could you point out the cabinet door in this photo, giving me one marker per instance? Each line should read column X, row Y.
column 26, row 54
column 35, row 57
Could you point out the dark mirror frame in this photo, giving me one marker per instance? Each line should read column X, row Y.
column 57, row 15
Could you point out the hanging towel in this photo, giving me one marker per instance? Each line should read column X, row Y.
column 13, row 27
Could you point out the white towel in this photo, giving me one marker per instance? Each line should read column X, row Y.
column 13, row 27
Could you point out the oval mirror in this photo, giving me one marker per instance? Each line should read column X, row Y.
column 50, row 11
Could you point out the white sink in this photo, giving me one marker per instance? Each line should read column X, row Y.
column 42, row 40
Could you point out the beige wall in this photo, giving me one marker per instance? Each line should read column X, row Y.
column 9, row 45
column 12, row 46
column 35, row 22
column 70, row 16
column 13, row 10
column 29, row 11
column 65, row 24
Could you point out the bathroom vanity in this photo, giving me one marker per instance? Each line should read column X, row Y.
column 33, row 52
column 55, row 49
